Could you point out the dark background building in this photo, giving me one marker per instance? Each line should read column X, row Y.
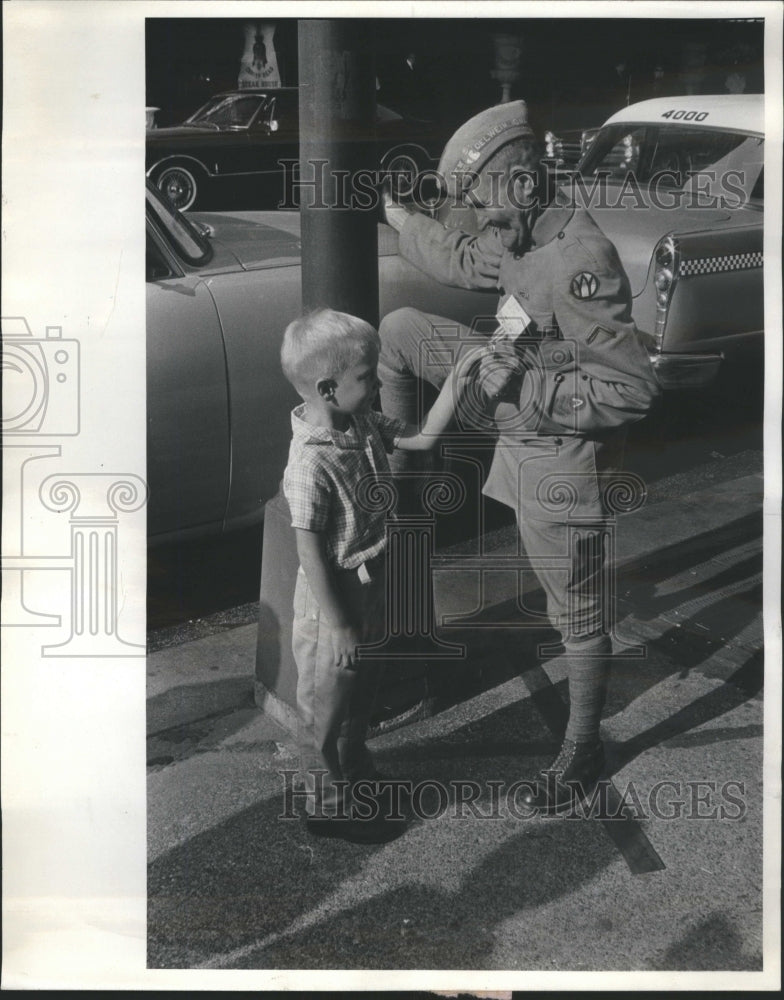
column 573, row 72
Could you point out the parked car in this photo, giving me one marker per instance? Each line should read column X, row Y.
column 677, row 184
column 221, row 288
column 247, row 133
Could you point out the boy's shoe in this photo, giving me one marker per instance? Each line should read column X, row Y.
column 568, row 780
column 358, row 831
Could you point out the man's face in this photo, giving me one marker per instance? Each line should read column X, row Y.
column 501, row 202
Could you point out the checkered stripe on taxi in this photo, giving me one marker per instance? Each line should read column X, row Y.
column 715, row 265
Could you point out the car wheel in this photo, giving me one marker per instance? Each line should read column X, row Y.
column 179, row 184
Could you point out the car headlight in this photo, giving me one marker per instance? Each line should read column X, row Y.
column 666, row 262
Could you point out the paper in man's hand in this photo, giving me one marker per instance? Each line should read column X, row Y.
column 513, row 321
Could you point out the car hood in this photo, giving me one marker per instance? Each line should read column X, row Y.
column 257, row 239
column 250, row 240
column 636, row 230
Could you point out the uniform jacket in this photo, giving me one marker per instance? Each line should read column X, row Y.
column 588, row 373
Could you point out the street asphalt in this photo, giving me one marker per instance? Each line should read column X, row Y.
column 672, row 882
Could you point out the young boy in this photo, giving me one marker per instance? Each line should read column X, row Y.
column 338, row 441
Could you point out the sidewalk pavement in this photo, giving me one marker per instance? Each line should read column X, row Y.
column 675, row 885
column 214, row 674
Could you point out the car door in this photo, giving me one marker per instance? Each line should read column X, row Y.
column 255, row 308
column 187, row 399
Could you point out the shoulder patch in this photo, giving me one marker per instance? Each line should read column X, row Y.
column 584, row 285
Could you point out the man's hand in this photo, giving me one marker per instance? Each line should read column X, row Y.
column 345, row 640
column 392, row 212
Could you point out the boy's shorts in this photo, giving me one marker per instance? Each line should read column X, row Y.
column 334, row 703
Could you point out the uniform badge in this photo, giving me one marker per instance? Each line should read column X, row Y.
column 584, row 285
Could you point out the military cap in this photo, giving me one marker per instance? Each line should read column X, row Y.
column 481, row 137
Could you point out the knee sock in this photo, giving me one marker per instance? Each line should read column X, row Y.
column 589, row 670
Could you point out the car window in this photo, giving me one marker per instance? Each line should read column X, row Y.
column 279, row 112
column 699, row 159
column 186, row 241
column 233, row 111
column 157, row 265
column 615, row 153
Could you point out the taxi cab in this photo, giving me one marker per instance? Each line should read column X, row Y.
column 677, row 184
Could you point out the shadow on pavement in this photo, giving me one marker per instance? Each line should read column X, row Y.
column 216, row 898
column 712, row 944
column 741, row 685
column 227, row 896
column 236, row 883
column 498, row 654
column 639, row 579
column 689, row 645
column 420, row 925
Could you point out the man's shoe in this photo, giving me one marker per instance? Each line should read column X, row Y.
column 358, row 831
column 570, row 778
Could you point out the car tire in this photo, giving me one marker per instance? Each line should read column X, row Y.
column 182, row 185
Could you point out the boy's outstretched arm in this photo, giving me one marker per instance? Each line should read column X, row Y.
column 424, row 437
column 312, row 552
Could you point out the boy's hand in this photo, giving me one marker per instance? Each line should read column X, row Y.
column 344, row 646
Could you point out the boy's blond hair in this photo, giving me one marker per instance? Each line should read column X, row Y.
column 324, row 344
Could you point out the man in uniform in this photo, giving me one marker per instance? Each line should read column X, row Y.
column 561, row 396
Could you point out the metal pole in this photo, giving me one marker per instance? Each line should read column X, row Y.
column 337, row 112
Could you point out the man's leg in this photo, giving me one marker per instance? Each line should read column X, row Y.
column 578, row 607
column 415, row 347
column 418, row 351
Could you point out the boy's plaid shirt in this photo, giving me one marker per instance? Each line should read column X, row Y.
column 320, row 483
